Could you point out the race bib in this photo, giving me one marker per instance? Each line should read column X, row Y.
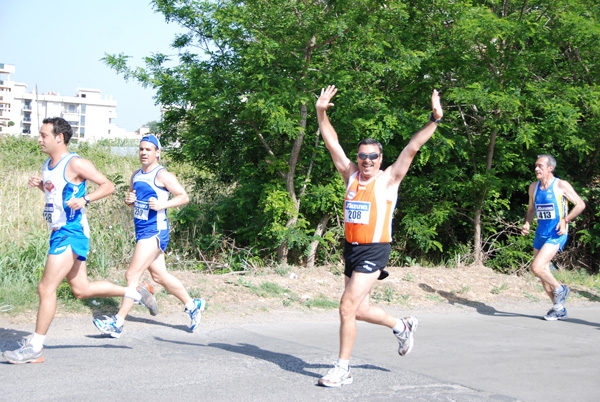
column 140, row 210
column 48, row 211
column 357, row 212
column 545, row 211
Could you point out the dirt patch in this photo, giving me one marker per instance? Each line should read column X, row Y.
column 276, row 293
column 321, row 288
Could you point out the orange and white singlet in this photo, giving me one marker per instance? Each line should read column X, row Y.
column 368, row 211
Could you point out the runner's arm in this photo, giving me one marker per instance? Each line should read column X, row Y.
column 85, row 170
column 169, row 181
column 578, row 205
column 399, row 168
column 35, row 181
column 530, row 214
column 340, row 160
column 130, row 197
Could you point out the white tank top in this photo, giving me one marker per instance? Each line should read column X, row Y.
column 58, row 191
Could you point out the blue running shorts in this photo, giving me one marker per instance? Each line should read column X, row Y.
column 540, row 240
column 161, row 235
column 60, row 241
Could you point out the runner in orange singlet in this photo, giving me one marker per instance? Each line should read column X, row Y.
column 371, row 195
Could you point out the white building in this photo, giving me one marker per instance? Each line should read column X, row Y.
column 91, row 117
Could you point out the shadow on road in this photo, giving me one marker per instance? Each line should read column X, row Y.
column 484, row 309
column 131, row 318
column 283, row 360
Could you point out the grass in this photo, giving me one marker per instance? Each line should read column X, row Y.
column 323, row 302
column 435, row 298
column 24, row 236
column 578, row 277
column 498, row 289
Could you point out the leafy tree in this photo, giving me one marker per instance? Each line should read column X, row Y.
column 154, row 126
column 241, row 108
column 518, row 79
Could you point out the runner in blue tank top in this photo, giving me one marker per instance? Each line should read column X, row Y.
column 548, row 204
column 148, row 194
column 64, row 176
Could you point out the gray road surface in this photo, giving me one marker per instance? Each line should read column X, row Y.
column 461, row 353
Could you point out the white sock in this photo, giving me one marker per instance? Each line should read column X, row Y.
column 37, row 342
column 132, row 293
column 400, row 326
column 190, row 305
column 345, row 364
column 120, row 320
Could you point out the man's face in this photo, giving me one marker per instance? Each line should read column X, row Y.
column 369, row 167
column 48, row 142
column 148, row 153
column 542, row 169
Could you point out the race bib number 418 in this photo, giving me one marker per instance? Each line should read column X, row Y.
column 357, row 212
column 545, row 211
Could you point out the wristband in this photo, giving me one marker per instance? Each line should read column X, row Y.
column 433, row 119
column 566, row 220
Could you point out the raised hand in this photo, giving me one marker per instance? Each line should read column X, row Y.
column 324, row 101
column 436, row 106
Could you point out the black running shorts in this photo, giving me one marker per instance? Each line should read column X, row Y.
column 367, row 258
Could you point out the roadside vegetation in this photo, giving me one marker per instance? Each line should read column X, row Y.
column 24, row 239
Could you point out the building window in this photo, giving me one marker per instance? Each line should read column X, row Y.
column 82, row 120
column 71, row 108
column 83, row 109
column 82, row 132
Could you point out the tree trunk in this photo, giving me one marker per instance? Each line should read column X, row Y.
column 312, row 250
column 283, row 249
column 478, row 246
column 477, row 252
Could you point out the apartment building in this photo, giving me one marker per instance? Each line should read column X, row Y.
column 22, row 112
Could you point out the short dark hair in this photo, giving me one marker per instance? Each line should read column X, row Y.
column 60, row 126
column 370, row 141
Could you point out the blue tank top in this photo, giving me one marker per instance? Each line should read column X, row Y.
column 145, row 188
column 550, row 208
column 58, row 191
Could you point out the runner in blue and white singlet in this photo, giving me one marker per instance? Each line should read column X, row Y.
column 149, row 223
column 69, row 226
column 548, row 198
column 58, row 191
column 550, row 207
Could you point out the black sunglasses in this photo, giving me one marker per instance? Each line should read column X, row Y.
column 371, row 156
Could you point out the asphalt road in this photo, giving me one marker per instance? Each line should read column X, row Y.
column 461, row 353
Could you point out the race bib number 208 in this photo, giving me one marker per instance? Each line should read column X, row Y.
column 357, row 212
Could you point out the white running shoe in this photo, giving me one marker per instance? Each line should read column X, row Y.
column 405, row 338
column 336, row 377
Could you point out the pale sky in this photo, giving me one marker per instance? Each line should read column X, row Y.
column 58, row 44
